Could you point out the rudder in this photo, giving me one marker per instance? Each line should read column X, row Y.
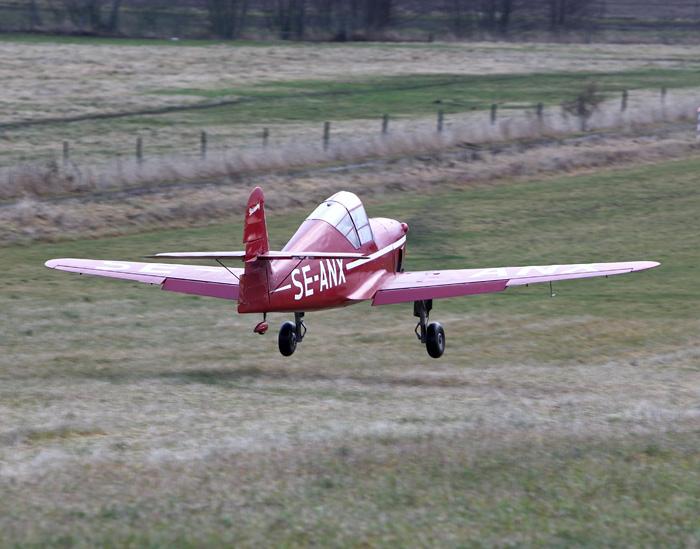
column 255, row 228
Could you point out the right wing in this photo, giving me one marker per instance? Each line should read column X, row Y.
column 187, row 279
column 422, row 285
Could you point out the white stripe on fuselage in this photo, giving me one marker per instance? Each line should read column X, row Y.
column 283, row 288
column 390, row 248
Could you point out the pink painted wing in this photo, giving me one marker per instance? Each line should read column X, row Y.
column 266, row 255
column 419, row 285
column 186, row 279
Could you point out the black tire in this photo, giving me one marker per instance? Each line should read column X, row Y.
column 435, row 340
column 287, row 339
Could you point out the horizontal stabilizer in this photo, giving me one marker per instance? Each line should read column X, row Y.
column 266, row 255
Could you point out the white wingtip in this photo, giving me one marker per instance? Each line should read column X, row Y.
column 643, row 265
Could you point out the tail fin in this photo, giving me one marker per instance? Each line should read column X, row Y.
column 255, row 229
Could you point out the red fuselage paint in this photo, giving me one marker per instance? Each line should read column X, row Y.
column 284, row 285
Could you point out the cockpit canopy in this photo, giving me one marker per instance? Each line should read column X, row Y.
column 345, row 212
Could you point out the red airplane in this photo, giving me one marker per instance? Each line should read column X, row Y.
column 337, row 257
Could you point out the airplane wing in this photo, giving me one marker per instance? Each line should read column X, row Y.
column 267, row 255
column 187, row 279
column 421, row 285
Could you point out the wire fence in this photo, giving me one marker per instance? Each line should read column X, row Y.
column 350, row 142
column 204, row 143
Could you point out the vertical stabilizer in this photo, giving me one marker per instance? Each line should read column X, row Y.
column 255, row 228
column 254, row 287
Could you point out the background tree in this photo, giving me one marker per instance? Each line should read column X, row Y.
column 585, row 104
column 378, row 14
column 562, row 12
column 287, row 18
column 34, row 15
column 90, row 15
column 227, row 17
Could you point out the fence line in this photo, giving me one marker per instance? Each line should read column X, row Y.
column 535, row 121
column 494, row 113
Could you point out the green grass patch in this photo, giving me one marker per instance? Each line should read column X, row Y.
column 421, row 94
column 59, row 331
column 109, row 41
column 645, row 213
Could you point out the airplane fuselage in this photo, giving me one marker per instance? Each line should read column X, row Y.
column 310, row 284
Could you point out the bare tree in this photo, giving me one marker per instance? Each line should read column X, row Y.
column 506, row 11
column 339, row 19
column 492, row 15
column 227, row 17
column 585, row 104
column 113, row 22
column 286, row 17
column 89, row 15
column 378, row 14
column 561, row 12
column 34, row 15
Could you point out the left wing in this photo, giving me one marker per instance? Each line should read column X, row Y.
column 187, row 279
column 266, row 255
column 420, row 285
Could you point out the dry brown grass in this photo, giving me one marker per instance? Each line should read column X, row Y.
column 438, row 165
column 48, row 80
column 43, row 80
column 355, row 144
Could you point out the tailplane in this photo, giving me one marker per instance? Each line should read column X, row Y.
column 257, row 245
column 255, row 229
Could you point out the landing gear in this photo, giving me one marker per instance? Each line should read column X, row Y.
column 262, row 327
column 431, row 335
column 435, row 340
column 291, row 333
column 287, row 339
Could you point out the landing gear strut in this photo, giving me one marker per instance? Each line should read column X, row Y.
column 291, row 333
column 431, row 335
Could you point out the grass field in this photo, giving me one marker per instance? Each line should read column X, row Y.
column 134, row 416
column 289, row 88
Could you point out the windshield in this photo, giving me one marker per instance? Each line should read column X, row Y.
column 351, row 221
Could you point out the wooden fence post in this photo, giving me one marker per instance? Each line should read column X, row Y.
column 385, row 124
column 663, row 103
column 440, row 121
column 623, row 105
column 581, row 112
column 494, row 113
column 265, row 136
column 326, row 135
column 203, row 145
column 139, row 149
column 66, row 153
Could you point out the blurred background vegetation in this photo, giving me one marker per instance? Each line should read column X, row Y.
column 359, row 20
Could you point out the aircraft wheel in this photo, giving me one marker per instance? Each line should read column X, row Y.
column 287, row 339
column 435, row 340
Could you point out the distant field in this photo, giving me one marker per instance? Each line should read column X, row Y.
column 289, row 88
column 134, row 416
